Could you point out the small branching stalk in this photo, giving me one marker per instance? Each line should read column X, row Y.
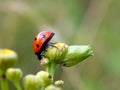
column 14, row 75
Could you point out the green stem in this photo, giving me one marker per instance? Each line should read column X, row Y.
column 51, row 69
column 17, row 85
column 48, row 68
column 4, row 82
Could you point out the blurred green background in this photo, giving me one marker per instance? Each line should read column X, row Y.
column 82, row 22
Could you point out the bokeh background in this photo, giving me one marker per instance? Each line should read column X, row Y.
column 80, row 22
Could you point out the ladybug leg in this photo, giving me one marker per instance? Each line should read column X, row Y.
column 51, row 44
column 39, row 56
column 42, row 55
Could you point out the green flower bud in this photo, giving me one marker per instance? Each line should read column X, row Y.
column 7, row 58
column 77, row 54
column 31, row 82
column 52, row 87
column 14, row 74
column 56, row 52
column 59, row 83
column 45, row 77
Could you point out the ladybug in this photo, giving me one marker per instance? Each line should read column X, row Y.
column 41, row 41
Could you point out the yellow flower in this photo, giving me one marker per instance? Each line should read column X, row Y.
column 7, row 58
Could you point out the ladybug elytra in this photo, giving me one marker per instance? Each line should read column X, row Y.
column 41, row 41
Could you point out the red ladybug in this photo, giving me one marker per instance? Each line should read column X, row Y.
column 41, row 41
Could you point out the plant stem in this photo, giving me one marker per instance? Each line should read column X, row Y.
column 4, row 82
column 17, row 85
column 48, row 68
column 51, row 69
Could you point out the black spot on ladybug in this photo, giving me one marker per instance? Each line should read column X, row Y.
column 37, row 45
column 35, row 38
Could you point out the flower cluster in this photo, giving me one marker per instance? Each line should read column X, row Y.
column 67, row 56
column 54, row 54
